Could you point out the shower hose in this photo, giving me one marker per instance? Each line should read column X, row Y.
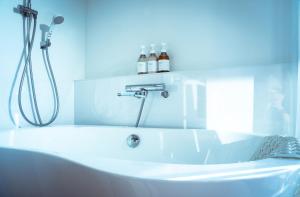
column 24, row 70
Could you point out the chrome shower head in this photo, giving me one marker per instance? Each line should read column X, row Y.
column 56, row 20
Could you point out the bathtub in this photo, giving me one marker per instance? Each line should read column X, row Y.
column 97, row 161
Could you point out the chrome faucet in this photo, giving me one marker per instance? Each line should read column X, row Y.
column 141, row 92
column 138, row 94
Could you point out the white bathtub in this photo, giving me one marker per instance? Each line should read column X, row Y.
column 96, row 161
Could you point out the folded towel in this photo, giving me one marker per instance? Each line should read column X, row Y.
column 277, row 147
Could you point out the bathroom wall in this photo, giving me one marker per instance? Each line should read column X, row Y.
column 200, row 33
column 249, row 48
column 101, row 38
column 297, row 23
column 248, row 100
column 67, row 54
column 103, row 106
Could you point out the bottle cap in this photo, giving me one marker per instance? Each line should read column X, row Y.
column 163, row 47
column 143, row 50
column 152, row 48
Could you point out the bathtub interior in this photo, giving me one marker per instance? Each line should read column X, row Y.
column 180, row 146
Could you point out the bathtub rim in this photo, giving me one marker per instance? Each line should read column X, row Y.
column 201, row 172
column 283, row 164
column 261, row 134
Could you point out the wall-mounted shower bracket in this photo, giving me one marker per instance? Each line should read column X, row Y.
column 45, row 44
column 26, row 11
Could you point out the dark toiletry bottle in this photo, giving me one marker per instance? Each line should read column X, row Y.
column 163, row 59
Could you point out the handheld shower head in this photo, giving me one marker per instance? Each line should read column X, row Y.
column 56, row 20
column 47, row 32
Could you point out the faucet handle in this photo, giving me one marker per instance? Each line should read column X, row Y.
column 141, row 93
column 164, row 94
column 126, row 94
column 138, row 94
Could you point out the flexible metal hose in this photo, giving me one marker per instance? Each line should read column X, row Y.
column 27, row 74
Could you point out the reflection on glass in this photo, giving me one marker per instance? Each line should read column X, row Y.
column 256, row 99
column 193, row 103
column 277, row 118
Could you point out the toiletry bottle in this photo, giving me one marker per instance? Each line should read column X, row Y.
column 163, row 59
column 152, row 60
column 142, row 62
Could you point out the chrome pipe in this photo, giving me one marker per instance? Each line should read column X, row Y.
column 141, row 91
column 149, row 87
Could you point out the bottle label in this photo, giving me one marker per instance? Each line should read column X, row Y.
column 142, row 67
column 164, row 65
column 152, row 66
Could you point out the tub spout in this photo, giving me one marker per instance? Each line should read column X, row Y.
column 141, row 92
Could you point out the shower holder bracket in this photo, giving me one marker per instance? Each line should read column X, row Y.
column 25, row 11
column 45, row 44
